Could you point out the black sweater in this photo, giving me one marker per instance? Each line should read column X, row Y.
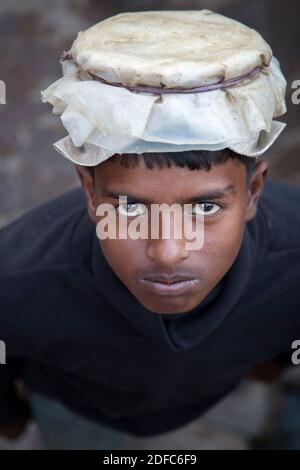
column 74, row 332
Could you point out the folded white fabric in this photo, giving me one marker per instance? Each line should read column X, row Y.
column 167, row 81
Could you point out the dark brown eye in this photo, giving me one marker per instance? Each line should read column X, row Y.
column 206, row 208
column 131, row 209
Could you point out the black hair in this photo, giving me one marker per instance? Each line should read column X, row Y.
column 192, row 159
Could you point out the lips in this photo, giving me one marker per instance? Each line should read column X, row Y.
column 167, row 279
column 170, row 285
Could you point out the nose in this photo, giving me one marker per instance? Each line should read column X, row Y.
column 167, row 246
column 167, row 252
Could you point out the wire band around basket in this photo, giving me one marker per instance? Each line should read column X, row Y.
column 164, row 90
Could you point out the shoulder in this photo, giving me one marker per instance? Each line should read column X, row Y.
column 41, row 236
column 37, row 273
column 280, row 203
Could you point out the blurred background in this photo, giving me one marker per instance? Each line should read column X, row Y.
column 33, row 33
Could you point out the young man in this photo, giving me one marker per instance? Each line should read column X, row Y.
column 143, row 335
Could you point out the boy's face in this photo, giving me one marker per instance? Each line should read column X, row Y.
column 135, row 260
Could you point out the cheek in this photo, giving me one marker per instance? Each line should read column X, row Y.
column 222, row 241
column 123, row 256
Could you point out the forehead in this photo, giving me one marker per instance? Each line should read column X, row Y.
column 169, row 183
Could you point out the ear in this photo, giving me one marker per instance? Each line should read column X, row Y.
column 255, row 188
column 87, row 183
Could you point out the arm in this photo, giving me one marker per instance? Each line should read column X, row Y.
column 14, row 411
column 271, row 371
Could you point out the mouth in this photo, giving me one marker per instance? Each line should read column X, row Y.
column 164, row 285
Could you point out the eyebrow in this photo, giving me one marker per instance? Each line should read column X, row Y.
column 212, row 194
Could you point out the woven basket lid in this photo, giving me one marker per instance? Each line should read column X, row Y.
column 169, row 48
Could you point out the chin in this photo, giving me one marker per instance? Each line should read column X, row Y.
column 170, row 305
